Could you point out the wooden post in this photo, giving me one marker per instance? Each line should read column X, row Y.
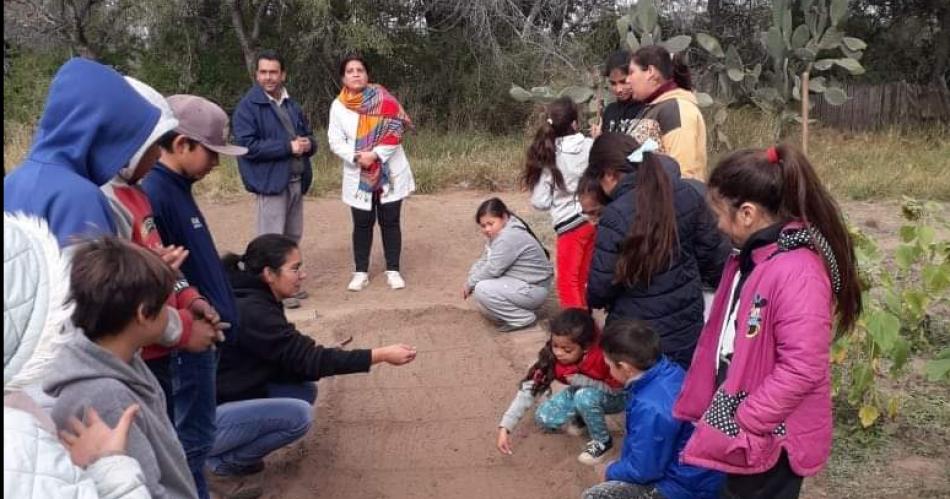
column 805, row 113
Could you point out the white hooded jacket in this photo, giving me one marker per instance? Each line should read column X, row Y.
column 35, row 463
column 571, row 159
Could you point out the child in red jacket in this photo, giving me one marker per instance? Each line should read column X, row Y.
column 573, row 357
column 759, row 386
column 193, row 321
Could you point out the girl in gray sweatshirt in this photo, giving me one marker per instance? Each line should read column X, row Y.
column 512, row 278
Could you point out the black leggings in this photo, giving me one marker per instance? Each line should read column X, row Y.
column 363, row 221
column 780, row 482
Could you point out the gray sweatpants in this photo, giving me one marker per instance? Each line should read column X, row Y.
column 281, row 213
column 509, row 300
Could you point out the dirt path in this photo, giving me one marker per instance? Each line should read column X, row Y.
column 425, row 430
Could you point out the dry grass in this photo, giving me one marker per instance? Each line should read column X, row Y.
column 879, row 165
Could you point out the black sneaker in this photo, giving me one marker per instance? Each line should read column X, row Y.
column 595, row 452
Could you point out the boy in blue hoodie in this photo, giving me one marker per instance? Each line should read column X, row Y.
column 93, row 125
column 188, row 154
column 649, row 464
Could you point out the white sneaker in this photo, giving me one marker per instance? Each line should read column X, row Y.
column 394, row 279
column 359, row 281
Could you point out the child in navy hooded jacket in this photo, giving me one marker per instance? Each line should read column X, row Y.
column 93, row 125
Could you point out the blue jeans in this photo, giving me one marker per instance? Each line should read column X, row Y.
column 249, row 430
column 589, row 403
column 194, row 394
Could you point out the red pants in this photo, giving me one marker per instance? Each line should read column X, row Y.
column 574, row 251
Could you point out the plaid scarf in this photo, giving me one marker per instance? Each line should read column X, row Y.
column 382, row 122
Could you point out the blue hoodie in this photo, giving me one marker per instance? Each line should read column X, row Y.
column 654, row 440
column 92, row 125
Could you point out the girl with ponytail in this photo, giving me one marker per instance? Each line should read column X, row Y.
column 662, row 81
column 759, row 389
column 555, row 162
column 572, row 356
column 656, row 243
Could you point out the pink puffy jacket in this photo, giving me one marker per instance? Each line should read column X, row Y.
column 777, row 393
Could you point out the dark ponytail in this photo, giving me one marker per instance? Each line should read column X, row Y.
column 561, row 116
column 671, row 68
column 495, row 207
column 785, row 184
column 652, row 242
column 265, row 251
column 574, row 323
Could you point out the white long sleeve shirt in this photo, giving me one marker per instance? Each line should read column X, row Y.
column 341, row 133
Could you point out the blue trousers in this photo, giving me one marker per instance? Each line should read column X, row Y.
column 194, row 398
column 590, row 404
column 249, row 430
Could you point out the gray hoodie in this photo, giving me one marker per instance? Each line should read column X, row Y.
column 87, row 375
column 513, row 253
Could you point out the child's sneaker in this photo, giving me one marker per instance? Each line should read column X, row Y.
column 359, row 282
column 576, row 427
column 595, row 452
column 395, row 280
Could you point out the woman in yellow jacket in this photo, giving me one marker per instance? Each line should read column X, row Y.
column 671, row 116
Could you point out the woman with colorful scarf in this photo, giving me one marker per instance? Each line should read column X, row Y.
column 365, row 130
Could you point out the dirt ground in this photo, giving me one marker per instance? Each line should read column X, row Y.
column 427, row 430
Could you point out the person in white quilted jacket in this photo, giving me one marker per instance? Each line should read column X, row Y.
column 88, row 462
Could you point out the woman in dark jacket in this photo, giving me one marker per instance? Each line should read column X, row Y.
column 657, row 243
column 267, row 372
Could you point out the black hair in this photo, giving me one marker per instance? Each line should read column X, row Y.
column 652, row 242
column 588, row 185
column 790, row 189
column 542, row 153
column 264, row 251
column 495, row 207
column 166, row 141
column 270, row 55
column 110, row 279
column 350, row 58
column 574, row 323
column 670, row 67
column 631, row 341
column 617, row 60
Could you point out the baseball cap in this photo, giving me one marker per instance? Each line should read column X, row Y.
column 166, row 122
column 204, row 121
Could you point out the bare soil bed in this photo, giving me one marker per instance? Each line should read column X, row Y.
column 427, row 430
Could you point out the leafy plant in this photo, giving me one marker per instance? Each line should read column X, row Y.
column 900, row 293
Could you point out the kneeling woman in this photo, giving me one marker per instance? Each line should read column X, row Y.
column 512, row 278
column 266, row 376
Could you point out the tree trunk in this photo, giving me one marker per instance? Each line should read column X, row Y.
column 805, row 113
column 942, row 49
column 714, row 7
column 237, row 19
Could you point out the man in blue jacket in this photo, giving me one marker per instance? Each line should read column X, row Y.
column 93, row 125
column 279, row 141
column 649, row 465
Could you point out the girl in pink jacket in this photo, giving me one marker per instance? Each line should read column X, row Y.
column 759, row 386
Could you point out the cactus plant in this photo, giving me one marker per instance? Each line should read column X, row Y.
column 795, row 54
